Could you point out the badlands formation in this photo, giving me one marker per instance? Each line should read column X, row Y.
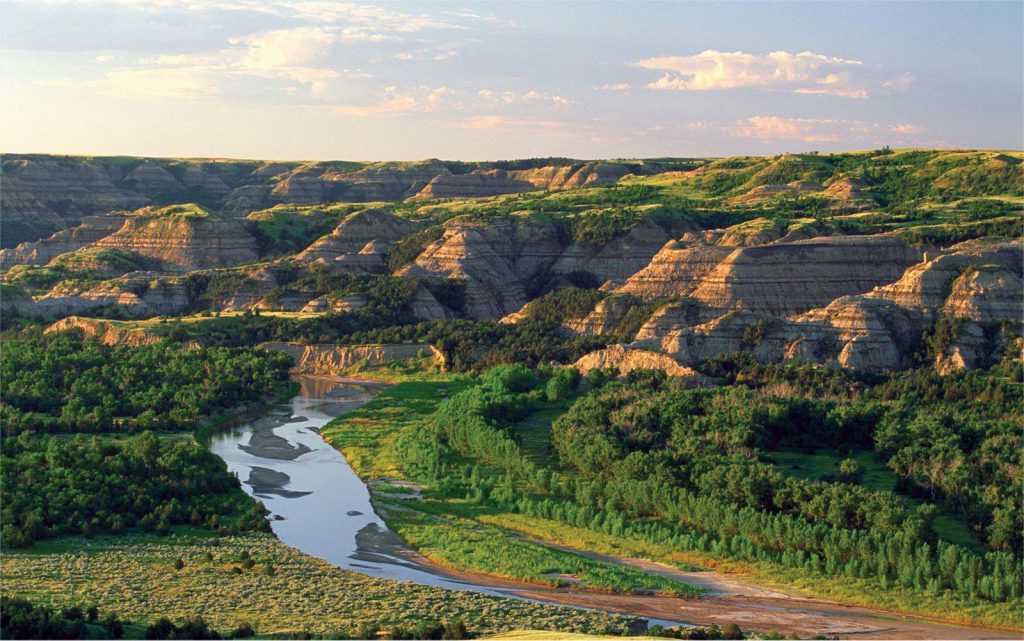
column 784, row 259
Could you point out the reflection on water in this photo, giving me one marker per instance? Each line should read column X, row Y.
column 317, row 502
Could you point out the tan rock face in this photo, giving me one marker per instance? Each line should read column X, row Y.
column 927, row 286
column 476, row 184
column 627, row 359
column 970, row 351
column 360, row 242
column 849, row 194
column 91, row 229
column 987, row 294
column 497, row 261
column 727, row 334
column 104, row 331
column 616, row 260
column 606, row 316
column 184, row 243
column 331, row 360
column 869, row 334
column 385, row 182
column 676, row 270
column 140, row 294
column 763, row 193
column 790, row 278
column 41, row 196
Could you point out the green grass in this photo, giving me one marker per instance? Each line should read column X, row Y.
column 133, row 576
column 534, row 432
column 452, row 533
column 949, row 526
column 367, row 435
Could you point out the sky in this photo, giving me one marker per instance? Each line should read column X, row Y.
column 323, row 79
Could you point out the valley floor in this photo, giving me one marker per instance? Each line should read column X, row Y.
column 730, row 599
column 751, row 599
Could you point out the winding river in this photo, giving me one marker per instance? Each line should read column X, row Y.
column 320, row 506
column 317, row 503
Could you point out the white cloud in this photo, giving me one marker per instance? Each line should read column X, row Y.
column 618, row 86
column 806, row 72
column 776, row 128
column 182, row 83
column 500, row 121
column 773, row 128
column 103, row 58
column 511, row 97
column 419, row 99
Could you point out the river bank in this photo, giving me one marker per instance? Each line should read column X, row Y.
column 321, row 506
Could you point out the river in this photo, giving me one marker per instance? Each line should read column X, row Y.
column 320, row 506
column 317, row 503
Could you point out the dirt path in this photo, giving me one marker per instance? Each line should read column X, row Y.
column 731, row 601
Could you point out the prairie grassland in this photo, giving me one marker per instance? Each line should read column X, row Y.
column 275, row 588
column 455, row 534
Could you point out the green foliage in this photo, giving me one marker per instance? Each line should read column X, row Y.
column 407, row 249
column 306, row 596
column 561, row 305
column 21, row 619
column 688, row 469
column 62, row 383
column 55, row 486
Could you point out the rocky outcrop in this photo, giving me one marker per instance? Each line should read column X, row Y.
column 496, row 182
column 572, row 176
column 763, row 193
column 42, row 195
column 857, row 332
column 616, row 260
column 986, row 294
column 332, row 360
column 927, row 286
column 476, row 184
column 90, row 230
column 626, row 359
column 497, row 261
column 425, row 307
column 605, row 318
column 789, row 278
column 108, row 332
column 971, row 349
column 727, row 334
column 360, row 242
column 183, row 241
column 141, row 295
column 676, row 270
column 385, row 181
column 151, row 178
column 848, row 193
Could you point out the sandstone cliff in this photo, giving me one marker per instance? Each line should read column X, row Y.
column 108, row 332
column 497, row 261
column 360, row 242
column 90, row 230
column 183, row 239
column 790, row 278
column 626, row 359
column 332, row 360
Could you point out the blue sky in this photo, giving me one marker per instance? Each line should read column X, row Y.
column 321, row 79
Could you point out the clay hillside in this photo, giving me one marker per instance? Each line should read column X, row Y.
column 868, row 261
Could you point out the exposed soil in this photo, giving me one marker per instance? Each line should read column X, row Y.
column 730, row 600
